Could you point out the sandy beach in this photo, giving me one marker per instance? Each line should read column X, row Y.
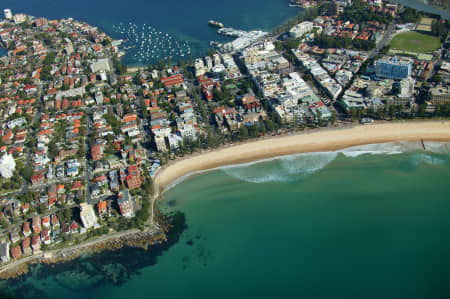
column 311, row 141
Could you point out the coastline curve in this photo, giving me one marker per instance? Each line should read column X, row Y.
column 311, row 141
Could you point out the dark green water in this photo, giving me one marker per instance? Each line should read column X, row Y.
column 367, row 223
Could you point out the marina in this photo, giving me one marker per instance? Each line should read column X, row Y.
column 145, row 44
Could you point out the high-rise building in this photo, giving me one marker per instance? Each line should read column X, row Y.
column 393, row 67
column 298, row 30
column 8, row 13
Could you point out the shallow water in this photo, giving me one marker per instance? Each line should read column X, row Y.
column 365, row 222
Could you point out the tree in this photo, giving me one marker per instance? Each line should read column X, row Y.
column 437, row 110
column 413, row 111
column 67, row 214
column 333, row 117
column 436, row 79
column 391, row 111
column 422, row 110
column 269, row 125
column 243, row 133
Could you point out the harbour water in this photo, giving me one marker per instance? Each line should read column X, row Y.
column 423, row 6
column 366, row 222
column 177, row 28
column 3, row 52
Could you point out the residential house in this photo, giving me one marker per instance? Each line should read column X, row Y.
column 16, row 252
column 4, row 252
column 26, row 246
column 36, row 244
column 26, row 230
column 133, row 178
column 36, row 224
column 126, row 204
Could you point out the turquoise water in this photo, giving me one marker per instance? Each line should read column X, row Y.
column 367, row 222
column 182, row 20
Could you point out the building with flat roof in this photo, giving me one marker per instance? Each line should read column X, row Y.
column 87, row 215
column 4, row 252
column 396, row 68
column 8, row 13
column 126, row 204
column 440, row 95
column 300, row 29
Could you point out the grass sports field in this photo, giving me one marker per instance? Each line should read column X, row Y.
column 415, row 42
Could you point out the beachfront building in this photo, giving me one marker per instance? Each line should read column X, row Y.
column 4, row 252
column 393, row 67
column 87, row 215
column 440, row 95
column 126, row 204
column 300, row 29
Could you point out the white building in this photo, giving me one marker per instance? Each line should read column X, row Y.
column 199, row 67
column 19, row 18
column 101, row 65
column 216, row 59
column 87, row 215
column 174, row 141
column 4, row 252
column 8, row 13
column 160, row 143
column 99, row 97
column 188, row 132
column 300, row 29
column 7, row 166
column 209, row 63
column 17, row 122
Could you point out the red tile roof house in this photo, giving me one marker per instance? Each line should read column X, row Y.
column 55, row 221
column 26, row 229
column 37, row 179
column 16, row 252
column 26, row 247
column 101, row 180
column 36, row 244
column 45, row 236
column 97, row 152
column 52, row 193
column 175, row 80
column 46, row 221
column 74, row 227
column 25, row 208
column 133, row 179
column 36, row 225
column 77, row 185
column 101, row 206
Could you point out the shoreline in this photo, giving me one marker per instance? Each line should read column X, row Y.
column 258, row 150
column 304, row 142
column 132, row 238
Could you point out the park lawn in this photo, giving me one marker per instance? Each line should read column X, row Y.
column 415, row 42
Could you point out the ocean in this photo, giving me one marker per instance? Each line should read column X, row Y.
column 365, row 222
column 168, row 28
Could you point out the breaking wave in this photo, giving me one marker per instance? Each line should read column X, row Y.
column 299, row 166
column 281, row 169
